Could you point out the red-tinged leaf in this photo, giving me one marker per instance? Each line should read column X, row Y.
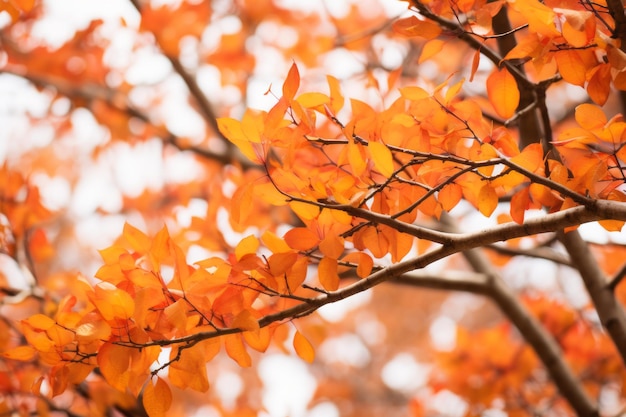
column 412, row 26
column 519, row 204
column 590, row 116
column 237, row 351
column 303, row 347
column 599, row 84
column 487, row 200
column 157, row 399
column 475, row 63
column 20, row 353
column 430, row 49
column 301, row 238
column 383, row 160
column 137, row 239
column 327, row 272
column 247, row 245
column 332, row 246
column 503, row 92
column 571, row 66
column 280, row 263
column 449, row 196
column 292, row 83
column 246, row 321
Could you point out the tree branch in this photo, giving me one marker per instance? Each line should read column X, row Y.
column 609, row 310
column 544, row 345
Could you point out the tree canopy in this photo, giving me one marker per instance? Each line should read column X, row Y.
column 188, row 187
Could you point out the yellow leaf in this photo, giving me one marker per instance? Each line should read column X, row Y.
column 247, row 245
column 310, row 100
column 157, row 398
column 304, row 210
column 503, row 92
column 383, row 160
column 430, row 49
column 274, row 243
column 233, row 131
column 303, row 347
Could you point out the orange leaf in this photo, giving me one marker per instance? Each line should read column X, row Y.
column 40, row 322
column 280, row 263
column 487, row 200
column 291, row 84
column 113, row 361
column 20, row 353
column 246, row 321
column 412, row 26
column 303, row 347
column 157, row 398
column 327, row 272
column 332, row 246
column 503, row 92
column 383, row 160
column 430, row 49
column 590, row 116
column 571, row 66
column 301, row 238
column 450, row 195
column 475, row 62
column 599, row 84
column 247, row 245
column 137, row 239
column 237, row 351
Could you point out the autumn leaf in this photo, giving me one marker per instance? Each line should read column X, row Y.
column 157, row 398
column 303, row 347
column 503, row 92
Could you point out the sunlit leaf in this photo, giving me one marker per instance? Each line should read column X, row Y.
column 303, row 347
column 503, row 92
column 157, row 398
